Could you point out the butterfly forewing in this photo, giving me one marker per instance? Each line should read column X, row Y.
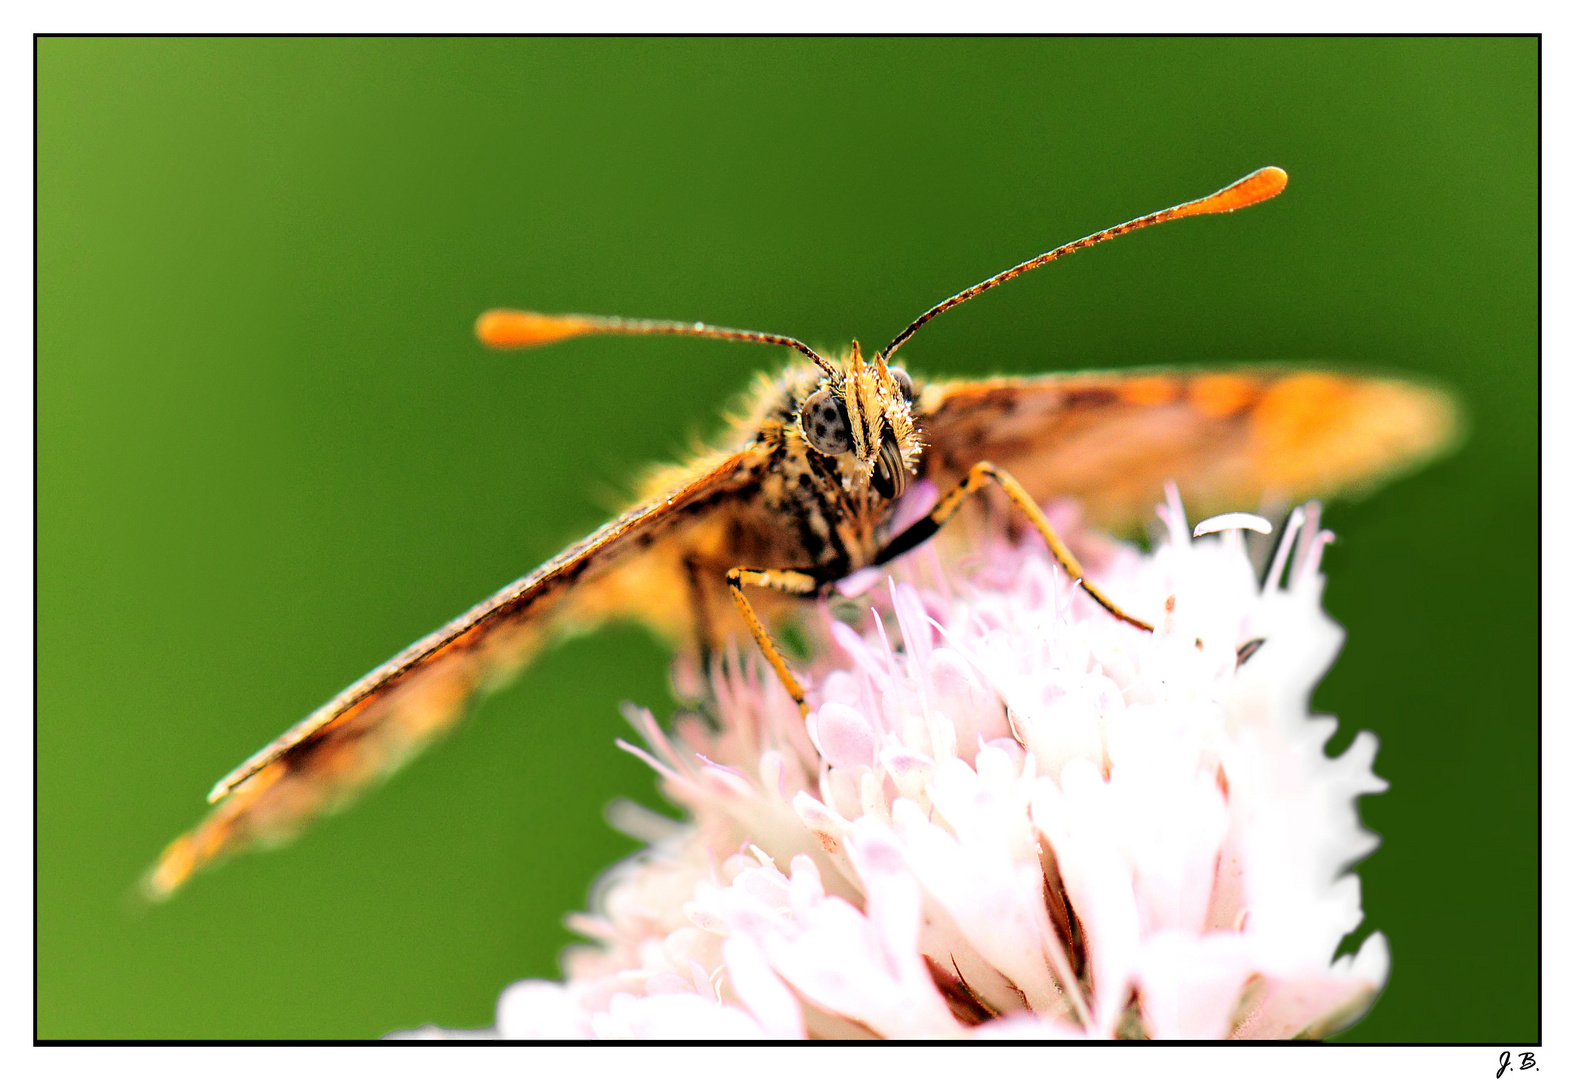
column 381, row 720
column 1229, row 439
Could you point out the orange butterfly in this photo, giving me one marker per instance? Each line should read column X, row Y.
column 800, row 493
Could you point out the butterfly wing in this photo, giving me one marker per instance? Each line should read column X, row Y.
column 376, row 724
column 1230, row 440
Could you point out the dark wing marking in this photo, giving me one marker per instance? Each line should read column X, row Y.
column 1230, row 439
column 376, row 724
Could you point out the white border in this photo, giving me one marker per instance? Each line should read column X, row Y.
column 19, row 1058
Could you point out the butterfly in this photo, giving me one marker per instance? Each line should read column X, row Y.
column 801, row 491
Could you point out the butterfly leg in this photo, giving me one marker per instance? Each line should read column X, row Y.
column 985, row 473
column 789, row 581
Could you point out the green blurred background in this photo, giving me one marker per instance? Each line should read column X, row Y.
column 270, row 453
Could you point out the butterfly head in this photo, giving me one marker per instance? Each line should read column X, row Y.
column 862, row 414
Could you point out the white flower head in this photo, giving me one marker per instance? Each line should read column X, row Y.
column 1007, row 815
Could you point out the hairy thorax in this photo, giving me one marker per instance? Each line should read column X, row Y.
column 786, row 506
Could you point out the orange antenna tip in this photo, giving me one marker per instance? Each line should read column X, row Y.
column 1266, row 183
column 505, row 329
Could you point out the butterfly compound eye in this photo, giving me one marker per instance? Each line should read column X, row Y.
column 904, row 383
column 825, row 422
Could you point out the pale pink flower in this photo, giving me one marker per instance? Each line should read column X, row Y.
column 1007, row 816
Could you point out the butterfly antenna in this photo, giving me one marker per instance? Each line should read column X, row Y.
column 505, row 329
column 1254, row 188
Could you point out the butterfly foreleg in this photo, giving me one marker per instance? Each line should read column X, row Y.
column 796, row 582
column 985, row 473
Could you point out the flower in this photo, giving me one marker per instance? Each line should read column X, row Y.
column 1008, row 815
